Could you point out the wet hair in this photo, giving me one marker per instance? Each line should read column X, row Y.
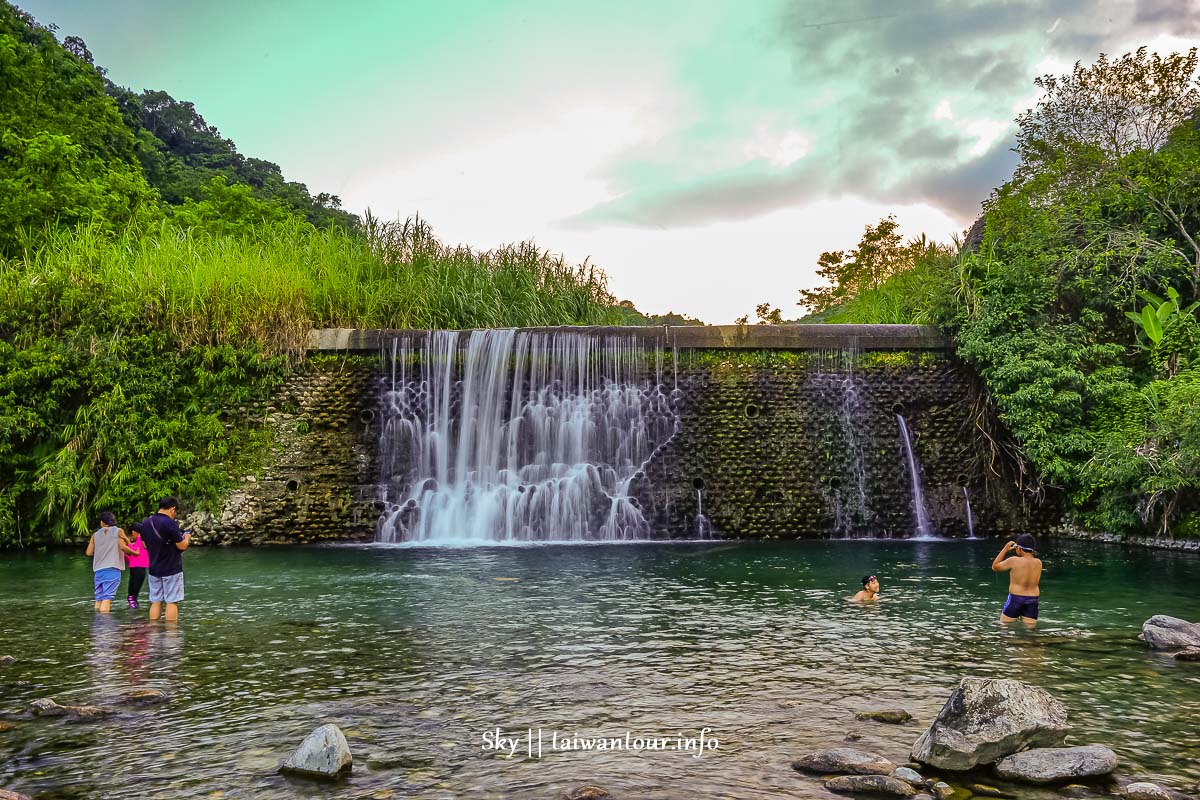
column 1026, row 542
column 868, row 578
column 108, row 518
column 167, row 502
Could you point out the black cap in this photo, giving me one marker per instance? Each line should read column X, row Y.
column 1026, row 542
column 108, row 518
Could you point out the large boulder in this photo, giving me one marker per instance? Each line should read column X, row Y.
column 324, row 754
column 1057, row 764
column 8, row 794
column 842, row 760
column 986, row 719
column 1170, row 633
column 870, row 784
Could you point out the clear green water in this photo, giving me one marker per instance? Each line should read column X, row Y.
column 419, row 652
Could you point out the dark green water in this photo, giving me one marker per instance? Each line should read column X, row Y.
column 417, row 653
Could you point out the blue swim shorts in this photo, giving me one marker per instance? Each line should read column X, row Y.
column 107, row 581
column 166, row 590
column 1019, row 605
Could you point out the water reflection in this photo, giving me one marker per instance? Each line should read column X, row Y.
column 418, row 653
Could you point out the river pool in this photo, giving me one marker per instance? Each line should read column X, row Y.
column 421, row 654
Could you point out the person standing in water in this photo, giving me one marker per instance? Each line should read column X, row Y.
column 106, row 547
column 1024, row 574
column 138, row 563
column 165, row 543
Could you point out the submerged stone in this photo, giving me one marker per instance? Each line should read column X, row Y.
column 587, row 793
column 986, row 719
column 8, row 794
column 870, row 784
column 6, row 660
column 146, row 697
column 324, row 754
column 1144, row 790
column 46, row 707
column 844, row 759
column 894, row 716
column 1057, row 764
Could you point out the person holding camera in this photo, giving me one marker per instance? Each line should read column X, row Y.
column 165, row 544
column 1024, row 574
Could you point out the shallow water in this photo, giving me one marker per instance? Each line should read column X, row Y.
column 417, row 653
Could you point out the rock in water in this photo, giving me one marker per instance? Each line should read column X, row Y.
column 895, row 716
column 7, row 794
column 844, row 759
column 6, row 660
column 1191, row 654
column 587, row 793
column 324, row 754
column 1144, row 791
column 46, row 707
column 870, row 784
column 146, row 697
column 986, row 719
column 1170, row 633
column 908, row 776
column 1056, row 764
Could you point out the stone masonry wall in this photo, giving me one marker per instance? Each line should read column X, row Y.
column 771, row 440
column 320, row 481
column 807, row 443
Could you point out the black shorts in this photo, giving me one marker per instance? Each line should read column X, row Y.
column 1019, row 605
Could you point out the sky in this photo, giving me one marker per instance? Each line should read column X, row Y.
column 702, row 153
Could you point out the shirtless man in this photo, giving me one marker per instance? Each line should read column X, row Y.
column 869, row 592
column 1024, row 572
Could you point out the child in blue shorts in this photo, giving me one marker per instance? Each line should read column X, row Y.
column 108, row 548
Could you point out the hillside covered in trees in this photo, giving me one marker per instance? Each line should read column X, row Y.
column 153, row 279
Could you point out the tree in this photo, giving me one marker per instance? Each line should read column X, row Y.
column 1111, row 108
column 879, row 256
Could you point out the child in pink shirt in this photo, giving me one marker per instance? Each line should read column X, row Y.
column 138, row 563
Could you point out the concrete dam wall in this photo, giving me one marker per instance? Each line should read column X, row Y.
column 625, row 433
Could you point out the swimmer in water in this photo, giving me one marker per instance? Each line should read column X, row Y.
column 869, row 592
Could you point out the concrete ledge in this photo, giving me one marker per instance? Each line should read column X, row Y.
column 688, row 337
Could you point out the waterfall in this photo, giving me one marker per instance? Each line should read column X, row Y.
column 970, row 518
column 506, row 435
column 703, row 526
column 924, row 528
column 835, row 370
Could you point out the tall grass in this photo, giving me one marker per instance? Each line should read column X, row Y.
column 271, row 286
column 922, row 294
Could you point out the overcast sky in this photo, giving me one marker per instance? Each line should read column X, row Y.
column 703, row 153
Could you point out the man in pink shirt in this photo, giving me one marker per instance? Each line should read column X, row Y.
column 138, row 563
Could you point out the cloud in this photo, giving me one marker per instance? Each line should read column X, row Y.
column 871, row 83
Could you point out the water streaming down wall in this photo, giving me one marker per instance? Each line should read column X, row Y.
column 505, row 435
column 924, row 529
column 836, row 377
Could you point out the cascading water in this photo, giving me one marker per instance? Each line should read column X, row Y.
column 505, row 435
column 836, row 371
column 970, row 517
column 920, row 514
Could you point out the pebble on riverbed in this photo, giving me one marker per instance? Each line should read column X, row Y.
column 1144, row 790
column 587, row 793
column 146, row 697
column 6, row 660
column 7, row 794
column 324, row 754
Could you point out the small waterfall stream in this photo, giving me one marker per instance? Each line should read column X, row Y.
column 506, row 435
column 970, row 517
column 924, row 529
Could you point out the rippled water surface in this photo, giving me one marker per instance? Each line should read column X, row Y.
column 417, row 653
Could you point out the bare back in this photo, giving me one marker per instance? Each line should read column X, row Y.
column 1024, row 574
